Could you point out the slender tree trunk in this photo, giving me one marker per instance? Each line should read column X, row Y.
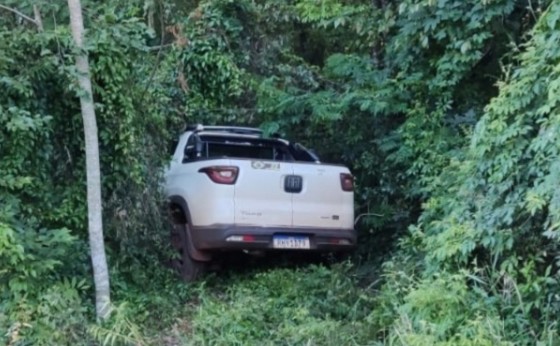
column 95, row 225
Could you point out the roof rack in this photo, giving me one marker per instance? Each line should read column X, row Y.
column 229, row 129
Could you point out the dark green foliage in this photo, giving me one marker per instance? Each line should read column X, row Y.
column 446, row 111
column 40, row 300
column 45, row 275
column 494, row 215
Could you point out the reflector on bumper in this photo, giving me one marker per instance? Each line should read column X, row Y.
column 241, row 238
column 234, row 238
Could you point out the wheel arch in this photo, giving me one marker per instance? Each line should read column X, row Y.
column 179, row 210
column 179, row 213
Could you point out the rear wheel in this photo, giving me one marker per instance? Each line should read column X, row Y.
column 189, row 268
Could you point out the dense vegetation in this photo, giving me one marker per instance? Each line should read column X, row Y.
column 447, row 111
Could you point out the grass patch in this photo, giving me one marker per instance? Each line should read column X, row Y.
column 312, row 305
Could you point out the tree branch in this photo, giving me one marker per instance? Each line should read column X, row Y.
column 18, row 13
column 152, row 48
column 38, row 20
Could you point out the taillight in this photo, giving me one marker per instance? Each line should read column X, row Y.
column 347, row 181
column 221, row 174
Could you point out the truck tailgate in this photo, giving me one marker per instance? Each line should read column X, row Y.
column 322, row 203
column 259, row 193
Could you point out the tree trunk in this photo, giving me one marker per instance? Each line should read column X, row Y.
column 95, row 224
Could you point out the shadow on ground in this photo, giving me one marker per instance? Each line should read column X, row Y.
column 239, row 263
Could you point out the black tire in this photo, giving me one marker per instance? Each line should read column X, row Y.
column 189, row 269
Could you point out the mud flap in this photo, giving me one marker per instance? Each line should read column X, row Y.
column 194, row 252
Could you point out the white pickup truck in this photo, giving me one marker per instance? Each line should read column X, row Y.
column 231, row 189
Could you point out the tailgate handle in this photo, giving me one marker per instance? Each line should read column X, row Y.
column 293, row 183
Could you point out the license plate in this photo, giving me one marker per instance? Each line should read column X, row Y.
column 290, row 242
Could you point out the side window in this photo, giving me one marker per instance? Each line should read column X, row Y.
column 301, row 153
column 193, row 148
column 281, row 153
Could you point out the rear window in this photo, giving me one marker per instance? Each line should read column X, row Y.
column 248, row 148
column 240, row 150
column 212, row 146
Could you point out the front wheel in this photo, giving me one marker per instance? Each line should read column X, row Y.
column 189, row 268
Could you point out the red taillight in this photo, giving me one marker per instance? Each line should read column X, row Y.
column 248, row 238
column 347, row 181
column 221, row 174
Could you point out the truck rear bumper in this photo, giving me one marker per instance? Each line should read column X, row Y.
column 233, row 237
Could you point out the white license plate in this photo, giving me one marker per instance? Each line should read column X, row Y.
column 290, row 242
